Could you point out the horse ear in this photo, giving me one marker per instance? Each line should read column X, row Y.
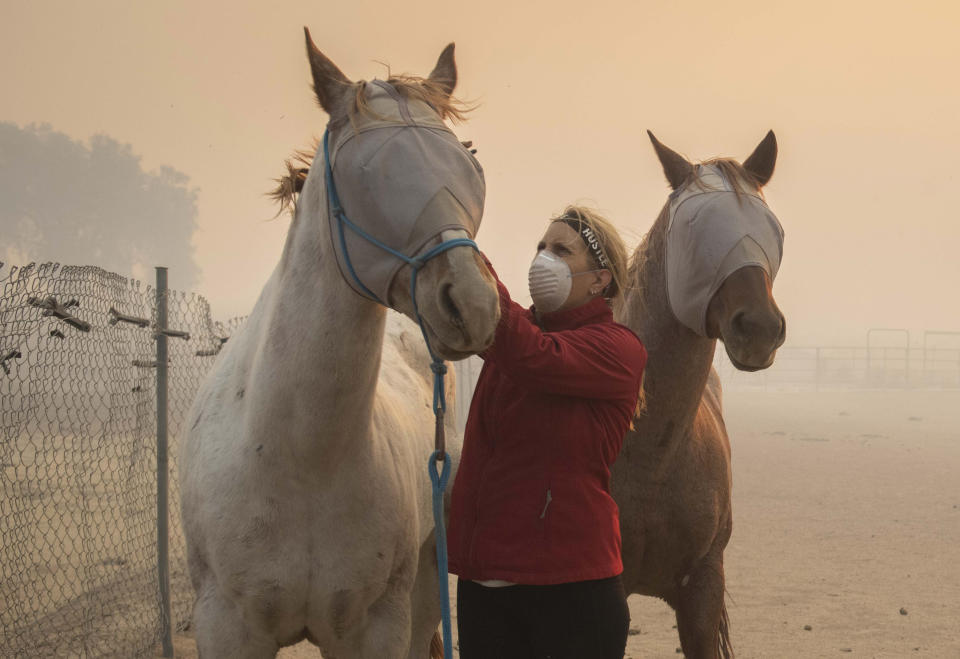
column 761, row 162
column 444, row 74
column 329, row 83
column 675, row 167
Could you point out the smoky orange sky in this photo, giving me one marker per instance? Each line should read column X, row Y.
column 863, row 97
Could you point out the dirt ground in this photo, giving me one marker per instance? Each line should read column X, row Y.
column 846, row 529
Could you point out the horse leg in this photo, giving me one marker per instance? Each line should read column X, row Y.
column 222, row 632
column 387, row 629
column 387, row 633
column 701, row 612
column 425, row 605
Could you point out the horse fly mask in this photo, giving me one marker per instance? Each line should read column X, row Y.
column 398, row 178
column 713, row 232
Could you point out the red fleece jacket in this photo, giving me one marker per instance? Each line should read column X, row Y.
column 531, row 501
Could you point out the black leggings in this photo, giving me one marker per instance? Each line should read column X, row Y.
column 581, row 620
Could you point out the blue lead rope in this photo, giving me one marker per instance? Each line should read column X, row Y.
column 439, row 477
column 439, row 481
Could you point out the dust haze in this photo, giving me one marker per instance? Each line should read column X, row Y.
column 846, row 503
column 856, row 92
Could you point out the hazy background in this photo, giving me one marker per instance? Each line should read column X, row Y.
column 862, row 95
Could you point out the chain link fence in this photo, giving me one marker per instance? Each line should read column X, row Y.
column 78, row 459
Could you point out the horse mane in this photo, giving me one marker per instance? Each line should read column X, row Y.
column 411, row 87
column 734, row 172
column 418, row 88
column 290, row 184
column 650, row 251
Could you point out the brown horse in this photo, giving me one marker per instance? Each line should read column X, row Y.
column 672, row 480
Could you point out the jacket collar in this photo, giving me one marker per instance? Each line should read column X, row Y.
column 596, row 310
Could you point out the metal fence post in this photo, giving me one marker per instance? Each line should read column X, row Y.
column 163, row 550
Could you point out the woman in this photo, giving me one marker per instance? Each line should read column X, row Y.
column 534, row 534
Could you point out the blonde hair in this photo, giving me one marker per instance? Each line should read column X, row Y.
column 615, row 253
column 611, row 245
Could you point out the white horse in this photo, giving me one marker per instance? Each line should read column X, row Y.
column 306, row 500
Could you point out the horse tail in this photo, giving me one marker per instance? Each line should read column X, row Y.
column 436, row 646
column 726, row 647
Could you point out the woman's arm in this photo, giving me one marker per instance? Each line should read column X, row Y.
column 595, row 361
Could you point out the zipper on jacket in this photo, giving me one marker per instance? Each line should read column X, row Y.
column 545, row 505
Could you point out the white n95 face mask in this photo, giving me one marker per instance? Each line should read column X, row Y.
column 550, row 281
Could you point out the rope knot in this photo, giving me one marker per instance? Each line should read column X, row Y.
column 438, row 367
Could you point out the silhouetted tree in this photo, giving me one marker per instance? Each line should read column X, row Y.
column 62, row 200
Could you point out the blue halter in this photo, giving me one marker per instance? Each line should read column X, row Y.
column 439, row 477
